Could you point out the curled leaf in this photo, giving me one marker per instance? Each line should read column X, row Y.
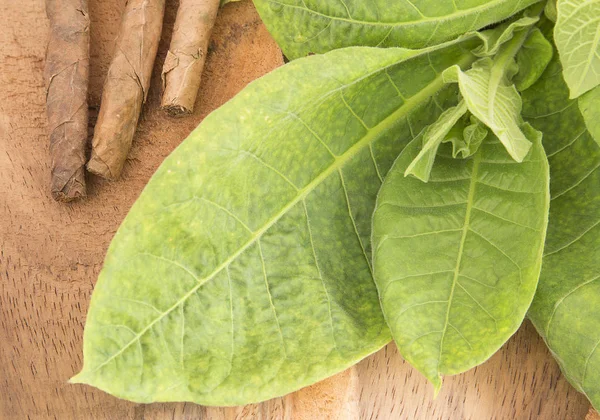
column 431, row 138
column 492, row 98
column 466, row 139
column 493, row 39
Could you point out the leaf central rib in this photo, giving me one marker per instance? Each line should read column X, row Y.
column 465, row 231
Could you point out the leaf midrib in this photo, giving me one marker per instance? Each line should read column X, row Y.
column 453, row 16
column 370, row 137
column 465, row 230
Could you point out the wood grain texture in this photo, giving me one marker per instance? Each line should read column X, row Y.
column 51, row 253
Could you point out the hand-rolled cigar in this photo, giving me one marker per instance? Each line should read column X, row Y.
column 66, row 74
column 126, row 86
column 183, row 66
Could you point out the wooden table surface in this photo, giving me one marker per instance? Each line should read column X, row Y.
column 50, row 256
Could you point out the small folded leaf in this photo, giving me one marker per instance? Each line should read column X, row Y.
column 243, row 272
column 566, row 308
column 454, row 283
column 550, row 10
column 317, row 26
column 589, row 105
column 532, row 59
column 493, row 39
column 495, row 101
column 577, row 38
column 431, row 139
column 466, row 139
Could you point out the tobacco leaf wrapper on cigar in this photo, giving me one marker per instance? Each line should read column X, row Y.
column 183, row 66
column 66, row 74
column 126, row 86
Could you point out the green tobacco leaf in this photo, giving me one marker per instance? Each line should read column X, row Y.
column 431, row 139
column 242, row 273
column 224, row 2
column 466, row 139
column 550, row 10
column 493, row 99
column 493, row 39
column 532, row 59
column 566, row 309
column 589, row 105
column 301, row 27
column 457, row 260
column 577, row 37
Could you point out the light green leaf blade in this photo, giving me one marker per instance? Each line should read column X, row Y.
column 566, row 309
column 432, row 137
column 454, row 283
column 494, row 101
column 589, row 106
column 301, row 27
column 577, row 38
column 466, row 139
column 532, row 59
column 242, row 273
column 224, row 2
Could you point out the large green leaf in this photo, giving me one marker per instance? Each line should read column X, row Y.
column 243, row 272
column 577, row 37
column 566, row 309
column 457, row 260
column 301, row 27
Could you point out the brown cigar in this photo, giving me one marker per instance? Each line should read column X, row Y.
column 126, row 86
column 183, row 67
column 66, row 74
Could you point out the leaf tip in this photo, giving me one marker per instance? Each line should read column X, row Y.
column 450, row 75
column 79, row 378
column 574, row 94
column 437, row 385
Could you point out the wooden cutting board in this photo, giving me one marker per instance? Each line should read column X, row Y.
column 50, row 255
